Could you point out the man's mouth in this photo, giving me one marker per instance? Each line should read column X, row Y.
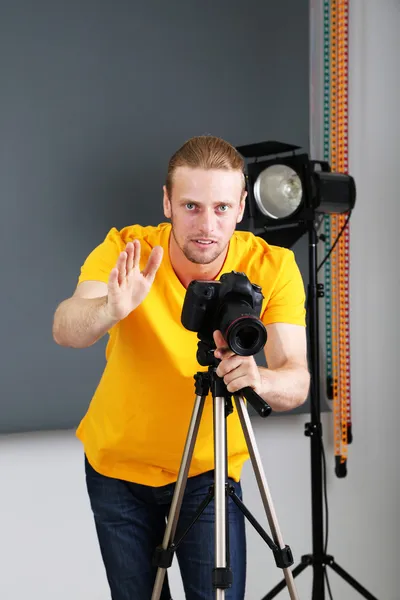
column 203, row 242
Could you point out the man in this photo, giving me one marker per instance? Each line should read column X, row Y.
column 132, row 286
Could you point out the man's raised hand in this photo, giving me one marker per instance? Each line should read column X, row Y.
column 128, row 286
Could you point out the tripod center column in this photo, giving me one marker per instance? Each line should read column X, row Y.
column 222, row 574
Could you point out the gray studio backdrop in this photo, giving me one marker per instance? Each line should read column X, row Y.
column 95, row 97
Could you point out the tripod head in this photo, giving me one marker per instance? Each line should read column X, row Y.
column 205, row 357
column 205, row 354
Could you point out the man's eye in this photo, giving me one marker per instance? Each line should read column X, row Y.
column 223, row 207
column 189, row 205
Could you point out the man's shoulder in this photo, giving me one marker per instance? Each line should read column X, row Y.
column 257, row 250
column 152, row 234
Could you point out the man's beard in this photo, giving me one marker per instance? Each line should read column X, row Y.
column 197, row 256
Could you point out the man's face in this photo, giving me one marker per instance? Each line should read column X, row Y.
column 204, row 208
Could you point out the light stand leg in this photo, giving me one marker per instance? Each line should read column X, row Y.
column 263, row 487
column 349, row 579
column 164, row 554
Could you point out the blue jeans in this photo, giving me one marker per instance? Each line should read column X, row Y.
column 130, row 521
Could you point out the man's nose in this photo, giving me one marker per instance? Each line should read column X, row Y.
column 207, row 222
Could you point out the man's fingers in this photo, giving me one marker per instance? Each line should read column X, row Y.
column 222, row 350
column 121, row 266
column 238, row 384
column 130, row 250
column 225, row 367
column 219, row 339
column 136, row 253
column 113, row 284
column 153, row 263
column 224, row 353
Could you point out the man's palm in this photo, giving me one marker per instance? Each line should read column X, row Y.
column 127, row 285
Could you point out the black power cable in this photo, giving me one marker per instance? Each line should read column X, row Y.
column 323, row 237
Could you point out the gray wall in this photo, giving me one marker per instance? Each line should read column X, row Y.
column 95, row 98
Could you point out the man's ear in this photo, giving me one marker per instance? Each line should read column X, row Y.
column 166, row 203
column 242, row 206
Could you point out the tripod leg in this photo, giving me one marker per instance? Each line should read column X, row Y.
column 263, row 486
column 165, row 557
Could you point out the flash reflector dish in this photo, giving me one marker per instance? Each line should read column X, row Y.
column 278, row 191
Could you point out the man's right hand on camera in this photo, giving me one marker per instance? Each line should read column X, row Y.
column 128, row 286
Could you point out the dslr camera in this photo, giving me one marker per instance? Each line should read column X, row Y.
column 232, row 305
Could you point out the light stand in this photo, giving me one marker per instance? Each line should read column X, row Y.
column 301, row 191
column 318, row 560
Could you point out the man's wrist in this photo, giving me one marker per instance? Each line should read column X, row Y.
column 284, row 388
column 109, row 319
column 265, row 383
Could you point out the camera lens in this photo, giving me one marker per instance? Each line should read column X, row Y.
column 246, row 335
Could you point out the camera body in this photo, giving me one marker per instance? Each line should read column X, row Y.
column 232, row 305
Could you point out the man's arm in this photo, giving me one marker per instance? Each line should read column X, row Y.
column 285, row 383
column 83, row 319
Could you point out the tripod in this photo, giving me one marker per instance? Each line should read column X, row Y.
column 318, row 559
column 221, row 490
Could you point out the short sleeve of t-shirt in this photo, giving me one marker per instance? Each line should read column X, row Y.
column 287, row 301
column 102, row 259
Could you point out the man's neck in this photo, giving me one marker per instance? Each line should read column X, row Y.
column 186, row 271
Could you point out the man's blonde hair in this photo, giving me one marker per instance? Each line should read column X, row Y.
column 205, row 152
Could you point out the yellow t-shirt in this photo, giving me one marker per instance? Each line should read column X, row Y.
column 136, row 425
